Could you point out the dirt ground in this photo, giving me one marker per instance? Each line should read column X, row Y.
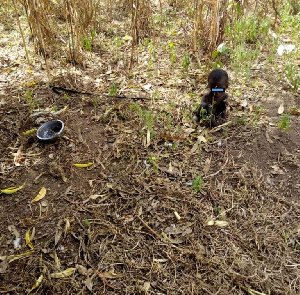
column 132, row 223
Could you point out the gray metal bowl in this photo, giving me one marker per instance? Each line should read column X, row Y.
column 50, row 131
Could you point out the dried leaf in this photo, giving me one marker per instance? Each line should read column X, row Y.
column 57, row 236
column 83, row 165
column 89, row 284
column 28, row 239
column 178, row 217
column 148, row 138
column 94, row 197
column 3, row 266
column 210, row 222
column 12, row 258
column 112, row 275
column 295, row 112
column 161, row 260
column 281, row 109
column 66, row 273
column 37, row 283
column 221, row 223
column 146, row 287
column 67, row 225
column 268, row 138
column 140, row 211
column 17, row 156
column 200, row 139
column 57, row 261
column 11, row 190
column 82, row 269
column 244, row 103
column 147, row 87
column 277, row 170
column 188, row 131
column 207, row 165
column 40, row 195
column 173, row 241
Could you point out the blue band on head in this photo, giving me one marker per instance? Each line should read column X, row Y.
column 217, row 89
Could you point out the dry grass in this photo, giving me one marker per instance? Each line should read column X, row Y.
column 146, row 229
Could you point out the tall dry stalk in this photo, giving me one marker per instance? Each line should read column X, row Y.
column 21, row 32
column 57, row 24
column 210, row 21
column 141, row 18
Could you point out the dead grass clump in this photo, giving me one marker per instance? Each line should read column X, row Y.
column 210, row 21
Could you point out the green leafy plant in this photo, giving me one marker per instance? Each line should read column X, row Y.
column 146, row 116
column 30, row 100
column 118, row 41
column 87, row 43
column 153, row 161
column 204, row 116
column 54, row 108
column 186, row 62
column 240, row 120
column 218, row 209
column 293, row 75
column 156, row 94
column 87, row 222
column 113, row 90
column 248, row 29
column 242, row 58
column 285, row 122
column 152, row 55
column 172, row 53
column 217, row 55
column 197, row 184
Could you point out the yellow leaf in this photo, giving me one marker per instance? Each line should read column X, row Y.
column 67, row 225
column 83, row 165
column 112, row 275
column 29, row 132
column 27, row 239
column 94, row 197
column 30, row 71
column 12, row 258
column 57, row 261
column 40, row 195
column 36, row 284
column 127, row 38
column 66, row 273
column 11, row 190
column 31, row 84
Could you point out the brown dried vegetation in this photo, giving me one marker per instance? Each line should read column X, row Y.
column 137, row 221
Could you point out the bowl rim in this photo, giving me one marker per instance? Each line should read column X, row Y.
column 55, row 136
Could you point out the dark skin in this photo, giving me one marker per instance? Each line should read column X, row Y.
column 213, row 104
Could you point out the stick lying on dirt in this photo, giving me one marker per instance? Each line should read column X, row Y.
column 59, row 90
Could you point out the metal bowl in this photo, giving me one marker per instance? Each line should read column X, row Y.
column 50, row 131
